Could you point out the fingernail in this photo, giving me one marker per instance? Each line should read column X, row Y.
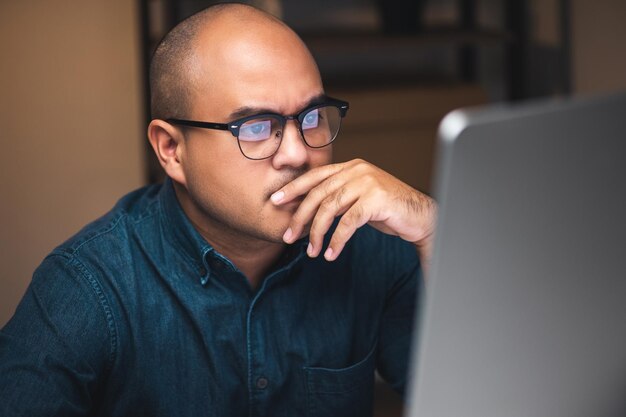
column 287, row 235
column 277, row 197
column 309, row 249
column 328, row 254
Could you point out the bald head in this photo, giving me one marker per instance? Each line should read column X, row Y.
column 174, row 70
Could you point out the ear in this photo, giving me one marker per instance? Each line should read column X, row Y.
column 168, row 142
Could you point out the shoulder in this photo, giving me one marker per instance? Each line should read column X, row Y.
column 102, row 250
column 69, row 292
column 115, row 225
column 63, row 318
column 83, row 263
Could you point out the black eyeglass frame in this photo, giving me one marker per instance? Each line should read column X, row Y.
column 235, row 125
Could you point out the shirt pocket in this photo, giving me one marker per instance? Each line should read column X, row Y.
column 343, row 392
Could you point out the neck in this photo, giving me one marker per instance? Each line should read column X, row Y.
column 251, row 255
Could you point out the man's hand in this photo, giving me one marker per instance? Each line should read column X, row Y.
column 364, row 194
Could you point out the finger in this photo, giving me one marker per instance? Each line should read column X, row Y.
column 355, row 217
column 304, row 183
column 308, row 208
column 333, row 206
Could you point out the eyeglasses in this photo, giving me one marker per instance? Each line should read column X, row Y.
column 259, row 136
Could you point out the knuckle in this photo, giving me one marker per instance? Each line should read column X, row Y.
column 329, row 184
column 346, row 222
column 362, row 165
column 328, row 206
column 318, row 192
column 344, row 230
column 379, row 194
column 316, row 229
column 329, row 169
column 369, row 179
column 356, row 213
column 321, row 191
column 338, row 197
column 319, row 227
column 352, row 218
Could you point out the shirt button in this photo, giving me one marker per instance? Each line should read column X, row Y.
column 261, row 383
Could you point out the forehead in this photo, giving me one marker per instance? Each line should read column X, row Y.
column 268, row 68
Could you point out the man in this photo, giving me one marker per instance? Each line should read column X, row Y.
column 231, row 289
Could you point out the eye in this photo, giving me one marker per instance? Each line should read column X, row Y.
column 311, row 119
column 255, row 130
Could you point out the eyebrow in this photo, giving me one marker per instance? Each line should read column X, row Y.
column 251, row 111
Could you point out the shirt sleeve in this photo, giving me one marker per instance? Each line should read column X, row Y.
column 59, row 344
column 397, row 323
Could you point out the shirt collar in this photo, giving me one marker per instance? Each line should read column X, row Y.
column 178, row 228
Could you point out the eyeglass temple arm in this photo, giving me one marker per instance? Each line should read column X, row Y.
column 193, row 123
column 342, row 105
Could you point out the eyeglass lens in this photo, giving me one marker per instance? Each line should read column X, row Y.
column 260, row 138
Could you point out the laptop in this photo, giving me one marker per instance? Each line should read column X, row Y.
column 524, row 313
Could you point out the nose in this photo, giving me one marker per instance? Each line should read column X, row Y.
column 292, row 152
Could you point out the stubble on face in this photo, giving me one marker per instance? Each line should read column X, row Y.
column 223, row 200
column 265, row 223
column 287, row 176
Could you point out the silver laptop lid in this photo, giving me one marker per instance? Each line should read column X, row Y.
column 525, row 306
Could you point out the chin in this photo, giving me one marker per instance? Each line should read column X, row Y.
column 275, row 220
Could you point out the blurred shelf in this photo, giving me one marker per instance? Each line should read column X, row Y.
column 337, row 42
column 369, row 58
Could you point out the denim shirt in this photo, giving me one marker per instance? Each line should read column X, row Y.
column 137, row 315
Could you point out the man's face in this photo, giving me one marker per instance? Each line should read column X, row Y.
column 270, row 71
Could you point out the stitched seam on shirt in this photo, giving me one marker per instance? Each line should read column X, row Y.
column 113, row 225
column 49, row 322
column 104, row 304
column 149, row 211
column 109, row 229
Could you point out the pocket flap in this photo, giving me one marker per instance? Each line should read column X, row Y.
column 329, row 381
